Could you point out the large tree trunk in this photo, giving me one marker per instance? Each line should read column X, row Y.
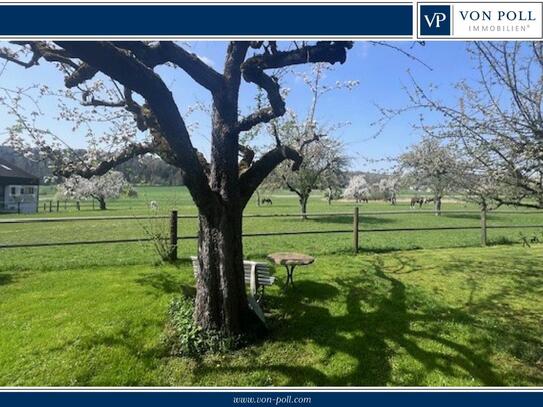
column 221, row 300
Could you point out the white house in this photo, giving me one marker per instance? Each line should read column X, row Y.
column 18, row 189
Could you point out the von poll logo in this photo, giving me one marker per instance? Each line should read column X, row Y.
column 481, row 20
column 435, row 19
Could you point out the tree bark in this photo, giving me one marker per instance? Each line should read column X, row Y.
column 102, row 203
column 437, row 205
column 221, row 300
column 303, row 205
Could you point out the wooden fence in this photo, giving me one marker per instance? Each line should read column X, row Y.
column 65, row 205
column 355, row 230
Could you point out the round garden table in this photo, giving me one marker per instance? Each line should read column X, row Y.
column 290, row 260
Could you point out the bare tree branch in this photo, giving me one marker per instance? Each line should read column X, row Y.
column 105, row 165
column 192, row 65
column 253, row 71
column 253, row 177
column 168, row 51
column 133, row 74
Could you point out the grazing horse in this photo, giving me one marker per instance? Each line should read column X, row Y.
column 417, row 200
column 266, row 201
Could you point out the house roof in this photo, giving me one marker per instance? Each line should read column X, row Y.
column 10, row 173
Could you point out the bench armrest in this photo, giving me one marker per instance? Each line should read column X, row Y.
column 254, row 280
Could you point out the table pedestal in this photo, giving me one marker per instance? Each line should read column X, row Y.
column 290, row 274
column 290, row 261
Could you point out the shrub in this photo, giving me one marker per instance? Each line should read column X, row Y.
column 157, row 229
column 183, row 337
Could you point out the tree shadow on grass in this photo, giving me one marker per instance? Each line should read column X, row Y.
column 383, row 318
column 474, row 216
column 371, row 317
column 165, row 282
column 5, row 278
column 521, row 279
column 365, row 250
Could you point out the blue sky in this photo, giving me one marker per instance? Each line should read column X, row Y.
column 382, row 73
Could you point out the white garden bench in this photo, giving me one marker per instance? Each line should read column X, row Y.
column 257, row 277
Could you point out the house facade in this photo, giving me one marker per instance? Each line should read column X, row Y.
column 19, row 190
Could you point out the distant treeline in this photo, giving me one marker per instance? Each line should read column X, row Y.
column 148, row 170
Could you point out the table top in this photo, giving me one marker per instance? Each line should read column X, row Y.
column 291, row 258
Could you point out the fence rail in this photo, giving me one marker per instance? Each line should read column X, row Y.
column 356, row 230
column 262, row 215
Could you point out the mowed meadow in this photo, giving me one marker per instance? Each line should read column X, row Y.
column 412, row 308
column 328, row 219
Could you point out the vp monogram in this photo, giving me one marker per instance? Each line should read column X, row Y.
column 437, row 19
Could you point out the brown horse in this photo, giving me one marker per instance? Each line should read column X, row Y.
column 417, row 200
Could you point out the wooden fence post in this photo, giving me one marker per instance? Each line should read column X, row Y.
column 355, row 230
column 44, row 207
column 78, row 205
column 51, row 206
column 173, row 236
column 18, row 207
column 483, row 226
column 58, row 206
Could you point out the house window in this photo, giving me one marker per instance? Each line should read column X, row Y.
column 13, row 190
column 30, row 190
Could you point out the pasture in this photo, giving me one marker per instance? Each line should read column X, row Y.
column 447, row 314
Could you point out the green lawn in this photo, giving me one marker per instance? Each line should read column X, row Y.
column 443, row 318
column 448, row 314
column 255, row 247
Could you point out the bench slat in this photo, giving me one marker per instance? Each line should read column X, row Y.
column 261, row 281
column 263, row 274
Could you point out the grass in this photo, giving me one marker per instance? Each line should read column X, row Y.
column 255, row 247
column 449, row 314
column 441, row 318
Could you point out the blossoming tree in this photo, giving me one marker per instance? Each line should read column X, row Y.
column 100, row 188
column 497, row 121
column 430, row 165
column 358, row 189
column 220, row 185
column 324, row 156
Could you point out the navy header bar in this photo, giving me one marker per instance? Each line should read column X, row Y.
column 251, row 21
